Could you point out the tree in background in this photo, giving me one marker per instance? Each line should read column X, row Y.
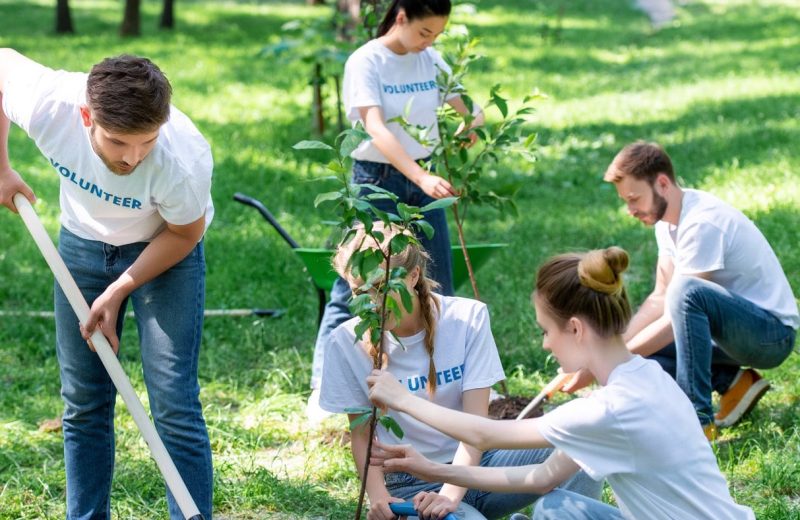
column 168, row 15
column 131, row 20
column 63, row 18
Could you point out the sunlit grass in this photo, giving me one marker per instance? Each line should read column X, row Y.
column 718, row 87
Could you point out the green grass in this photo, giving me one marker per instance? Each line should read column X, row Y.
column 719, row 88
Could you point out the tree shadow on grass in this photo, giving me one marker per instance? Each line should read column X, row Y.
column 612, row 45
column 749, row 129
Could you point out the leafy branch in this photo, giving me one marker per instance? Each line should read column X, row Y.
column 464, row 165
column 382, row 292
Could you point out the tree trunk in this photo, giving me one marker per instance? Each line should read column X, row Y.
column 318, row 116
column 168, row 15
column 131, row 21
column 63, row 17
column 348, row 14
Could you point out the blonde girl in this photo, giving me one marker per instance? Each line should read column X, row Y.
column 442, row 352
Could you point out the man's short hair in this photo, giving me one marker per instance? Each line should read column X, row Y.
column 128, row 95
column 642, row 161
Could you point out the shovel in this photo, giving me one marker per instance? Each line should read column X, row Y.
column 109, row 360
column 547, row 392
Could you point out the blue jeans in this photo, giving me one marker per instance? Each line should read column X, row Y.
column 565, row 505
column 440, row 268
column 494, row 505
column 710, row 323
column 169, row 317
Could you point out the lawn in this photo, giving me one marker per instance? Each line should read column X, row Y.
column 718, row 88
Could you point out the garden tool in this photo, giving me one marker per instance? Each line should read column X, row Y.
column 109, row 360
column 407, row 509
column 547, row 392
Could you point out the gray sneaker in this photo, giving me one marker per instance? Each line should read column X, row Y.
column 518, row 516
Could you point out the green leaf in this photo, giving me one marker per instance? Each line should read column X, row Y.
column 440, row 203
column 391, row 425
column 351, row 140
column 323, row 197
column 358, row 421
column 408, row 302
column 312, row 145
column 425, row 227
column 398, row 243
column 358, row 409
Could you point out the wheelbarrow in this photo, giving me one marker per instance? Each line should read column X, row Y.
column 407, row 509
column 317, row 261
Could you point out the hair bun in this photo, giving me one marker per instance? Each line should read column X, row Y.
column 601, row 270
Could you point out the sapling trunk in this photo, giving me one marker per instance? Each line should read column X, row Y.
column 376, row 364
column 463, row 243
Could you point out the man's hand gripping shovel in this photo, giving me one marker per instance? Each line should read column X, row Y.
column 109, row 360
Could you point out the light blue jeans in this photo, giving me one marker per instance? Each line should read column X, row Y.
column 712, row 324
column 489, row 504
column 440, row 268
column 169, row 317
column 566, row 505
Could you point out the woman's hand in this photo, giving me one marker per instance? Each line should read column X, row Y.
column 435, row 186
column 380, row 510
column 385, row 391
column 402, row 457
column 433, row 505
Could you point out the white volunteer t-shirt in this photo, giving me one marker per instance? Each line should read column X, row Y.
column 713, row 237
column 376, row 76
column 641, row 433
column 172, row 184
column 465, row 355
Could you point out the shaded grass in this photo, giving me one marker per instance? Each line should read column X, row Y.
column 718, row 88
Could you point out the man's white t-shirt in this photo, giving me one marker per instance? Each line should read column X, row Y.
column 376, row 76
column 172, row 184
column 641, row 433
column 716, row 238
column 465, row 356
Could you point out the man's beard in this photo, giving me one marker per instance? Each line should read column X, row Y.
column 660, row 206
column 116, row 168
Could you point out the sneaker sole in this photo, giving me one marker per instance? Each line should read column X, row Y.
column 747, row 403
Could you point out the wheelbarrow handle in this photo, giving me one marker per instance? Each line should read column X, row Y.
column 109, row 360
column 407, row 509
column 250, row 201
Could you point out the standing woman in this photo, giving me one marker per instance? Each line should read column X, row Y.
column 443, row 352
column 382, row 79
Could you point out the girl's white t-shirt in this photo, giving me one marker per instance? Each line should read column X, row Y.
column 465, row 356
column 376, row 76
column 172, row 184
column 641, row 433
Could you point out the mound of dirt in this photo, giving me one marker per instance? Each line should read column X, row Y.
column 509, row 407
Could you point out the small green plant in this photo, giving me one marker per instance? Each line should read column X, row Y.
column 463, row 159
column 383, row 291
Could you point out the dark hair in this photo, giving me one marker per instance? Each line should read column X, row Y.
column 587, row 285
column 642, row 161
column 128, row 94
column 414, row 9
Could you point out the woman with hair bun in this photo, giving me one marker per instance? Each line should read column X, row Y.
column 639, row 430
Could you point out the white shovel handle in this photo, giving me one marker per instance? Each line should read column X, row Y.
column 109, row 360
